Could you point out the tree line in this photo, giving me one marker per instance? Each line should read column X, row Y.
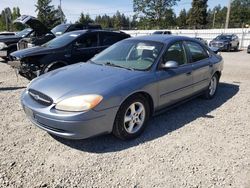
column 148, row 14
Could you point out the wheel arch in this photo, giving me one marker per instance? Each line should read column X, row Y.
column 59, row 62
column 144, row 94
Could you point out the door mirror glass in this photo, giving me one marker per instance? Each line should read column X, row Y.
column 170, row 65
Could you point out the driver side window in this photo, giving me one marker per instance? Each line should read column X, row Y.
column 176, row 52
column 87, row 41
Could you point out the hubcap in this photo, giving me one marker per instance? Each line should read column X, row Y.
column 134, row 117
column 213, row 86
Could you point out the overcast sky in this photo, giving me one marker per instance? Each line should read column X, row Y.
column 73, row 8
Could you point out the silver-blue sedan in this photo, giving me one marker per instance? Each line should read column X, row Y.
column 119, row 89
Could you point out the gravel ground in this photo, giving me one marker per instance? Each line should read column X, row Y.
column 199, row 144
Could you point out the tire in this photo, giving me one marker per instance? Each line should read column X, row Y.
column 236, row 48
column 229, row 48
column 212, row 88
column 136, row 121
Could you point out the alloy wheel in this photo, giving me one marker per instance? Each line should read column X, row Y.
column 134, row 117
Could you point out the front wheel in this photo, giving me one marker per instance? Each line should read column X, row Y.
column 131, row 118
column 212, row 89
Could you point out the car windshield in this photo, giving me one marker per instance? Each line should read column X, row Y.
column 62, row 40
column 60, row 29
column 130, row 54
column 224, row 37
column 24, row 32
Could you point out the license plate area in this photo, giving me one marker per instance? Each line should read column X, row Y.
column 3, row 53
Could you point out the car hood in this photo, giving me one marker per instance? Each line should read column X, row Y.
column 33, row 23
column 223, row 41
column 8, row 39
column 80, row 79
column 34, row 51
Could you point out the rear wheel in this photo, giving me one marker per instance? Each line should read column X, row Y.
column 131, row 118
column 229, row 48
column 212, row 89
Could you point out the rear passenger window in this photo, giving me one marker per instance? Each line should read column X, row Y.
column 176, row 53
column 197, row 52
column 109, row 39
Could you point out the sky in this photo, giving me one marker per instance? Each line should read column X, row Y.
column 73, row 8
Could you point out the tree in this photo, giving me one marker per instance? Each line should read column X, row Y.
column 240, row 13
column 153, row 12
column 182, row 19
column 47, row 13
column 60, row 14
column 85, row 19
column 197, row 17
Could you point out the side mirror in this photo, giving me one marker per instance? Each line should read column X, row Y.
column 215, row 50
column 170, row 65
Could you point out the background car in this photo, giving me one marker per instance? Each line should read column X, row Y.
column 72, row 47
column 7, row 33
column 40, row 35
column 162, row 33
column 202, row 40
column 226, row 42
column 248, row 49
column 119, row 89
column 8, row 44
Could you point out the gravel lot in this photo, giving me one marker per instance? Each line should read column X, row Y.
column 199, row 144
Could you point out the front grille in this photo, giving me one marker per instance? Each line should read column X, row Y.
column 40, row 97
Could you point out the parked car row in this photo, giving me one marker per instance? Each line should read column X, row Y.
column 119, row 83
column 36, row 34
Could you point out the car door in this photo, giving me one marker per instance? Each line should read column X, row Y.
column 201, row 65
column 174, row 84
column 85, row 47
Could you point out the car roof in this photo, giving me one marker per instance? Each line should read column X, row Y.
column 161, row 38
column 80, row 32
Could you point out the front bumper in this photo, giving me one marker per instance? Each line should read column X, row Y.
column 221, row 47
column 78, row 125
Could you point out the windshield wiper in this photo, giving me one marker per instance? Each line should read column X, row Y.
column 119, row 66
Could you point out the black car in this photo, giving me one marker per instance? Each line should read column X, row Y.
column 71, row 47
column 64, row 28
column 226, row 42
column 248, row 49
column 162, row 33
column 8, row 44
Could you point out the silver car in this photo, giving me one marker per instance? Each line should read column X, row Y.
column 118, row 90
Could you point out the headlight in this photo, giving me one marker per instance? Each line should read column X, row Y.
column 2, row 45
column 79, row 103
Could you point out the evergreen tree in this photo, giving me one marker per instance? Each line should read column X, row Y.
column 47, row 13
column 197, row 17
column 182, row 19
column 240, row 13
column 85, row 19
